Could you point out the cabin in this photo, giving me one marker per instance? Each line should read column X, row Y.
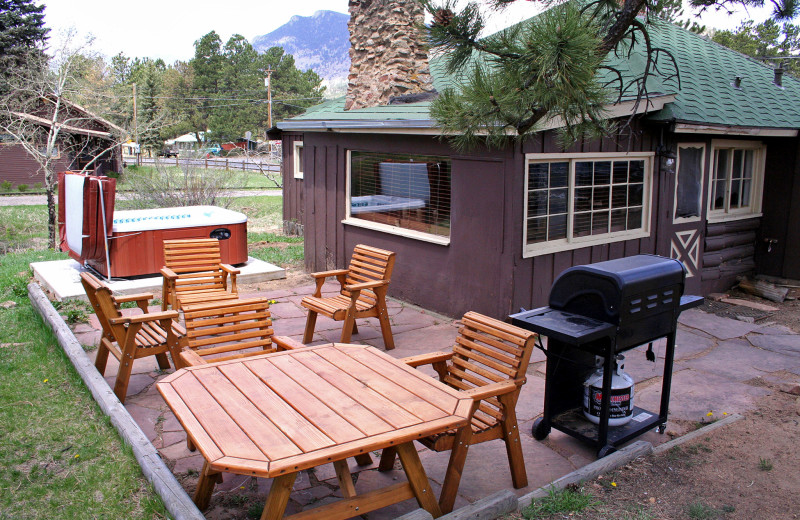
column 706, row 172
column 82, row 136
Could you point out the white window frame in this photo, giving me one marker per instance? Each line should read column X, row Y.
column 675, row 218
column 350, row 220
column 297, row 151
column 759, row 159
column 570, row 243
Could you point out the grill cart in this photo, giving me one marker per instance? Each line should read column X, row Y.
column 596, row 313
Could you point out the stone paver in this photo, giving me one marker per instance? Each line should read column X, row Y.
column 720, row 328
column 714, row 359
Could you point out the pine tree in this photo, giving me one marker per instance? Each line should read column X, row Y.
column 22, row 31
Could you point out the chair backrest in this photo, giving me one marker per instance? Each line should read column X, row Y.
column 488, row 351
column 231, row 326
column 196, row 262
column 369, row 264
column 102, row 300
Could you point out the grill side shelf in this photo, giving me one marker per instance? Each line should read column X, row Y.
column 563, row 326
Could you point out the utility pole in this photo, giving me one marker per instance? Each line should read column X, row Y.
column 268, row 84
column 135, row 125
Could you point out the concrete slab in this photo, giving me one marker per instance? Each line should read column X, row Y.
column 61, row 278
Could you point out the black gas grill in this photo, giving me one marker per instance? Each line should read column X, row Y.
column 605, row 309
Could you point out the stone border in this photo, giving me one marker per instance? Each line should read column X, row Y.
column 177, row 502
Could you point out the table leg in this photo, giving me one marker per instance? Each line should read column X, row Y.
column 458, row 456
column 417, row 478
column 205, row 485
column 345, row 479
column 278, row 496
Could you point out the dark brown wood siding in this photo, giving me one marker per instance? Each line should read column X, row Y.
column 473, row 272
column 17, row 167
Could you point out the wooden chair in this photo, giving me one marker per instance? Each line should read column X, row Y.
column 194, row 273
column 131, row 337
column 488, row 363
column 223, row 330
column 362, row 295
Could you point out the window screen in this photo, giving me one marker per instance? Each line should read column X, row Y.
column 406, row 191
column 690, row 181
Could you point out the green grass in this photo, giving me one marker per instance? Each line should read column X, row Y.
column 565, row 501
column 22, row 228
column 280, row 255
column 264, row 214
column 59, row 457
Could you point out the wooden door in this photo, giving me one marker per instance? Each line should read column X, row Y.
column 682, row 230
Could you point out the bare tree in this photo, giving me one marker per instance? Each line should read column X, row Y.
column 36, row 113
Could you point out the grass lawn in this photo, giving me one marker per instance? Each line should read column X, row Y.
column 239, row 179
column 59, row 456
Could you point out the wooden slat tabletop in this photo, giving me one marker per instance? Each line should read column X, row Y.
column 282, row 412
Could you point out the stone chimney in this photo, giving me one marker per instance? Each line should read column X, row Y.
column 387, row 56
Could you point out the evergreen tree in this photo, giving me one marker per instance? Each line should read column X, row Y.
column 22, row 35
column 21, row 30
column 765, row 40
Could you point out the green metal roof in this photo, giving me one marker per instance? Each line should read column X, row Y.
column 706, row 96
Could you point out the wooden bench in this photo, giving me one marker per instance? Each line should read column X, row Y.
column 362, row 295
column 194, row 273
column 131, row 337
column 488, row 364
column 223, row 330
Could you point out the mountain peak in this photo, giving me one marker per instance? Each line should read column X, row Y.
column 320, row 42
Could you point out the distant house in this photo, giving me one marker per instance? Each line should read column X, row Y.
column 707, row 173
column 82, row 136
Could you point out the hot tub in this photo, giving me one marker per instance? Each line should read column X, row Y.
column 135, row 237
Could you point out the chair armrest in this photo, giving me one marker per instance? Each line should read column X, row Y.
column 191, row 358
column 491, row 390
column 143, row 318
column 426, row 359
column 133, row 297
column 327, row 274
column 166, row 272
column 229, row 269
column 286, row 343
column 365, row 285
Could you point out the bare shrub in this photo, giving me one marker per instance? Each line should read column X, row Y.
column 187, row 185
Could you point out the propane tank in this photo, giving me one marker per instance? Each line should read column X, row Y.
column 621, row 404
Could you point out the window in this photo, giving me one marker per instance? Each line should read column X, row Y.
column 55, row 153
column 689, row 182
column 399, row 193
column 298, row 159
column 737, row 176
column 575, row 201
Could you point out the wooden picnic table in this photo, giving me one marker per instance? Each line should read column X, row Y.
column 274, row 415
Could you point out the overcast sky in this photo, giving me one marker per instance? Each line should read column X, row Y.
column 167, row 29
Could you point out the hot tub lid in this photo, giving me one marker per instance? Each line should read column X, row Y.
column 128, row 221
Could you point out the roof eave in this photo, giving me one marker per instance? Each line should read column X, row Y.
column 428, row 126
column 690, row 127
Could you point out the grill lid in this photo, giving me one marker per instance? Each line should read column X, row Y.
column 620, row 290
